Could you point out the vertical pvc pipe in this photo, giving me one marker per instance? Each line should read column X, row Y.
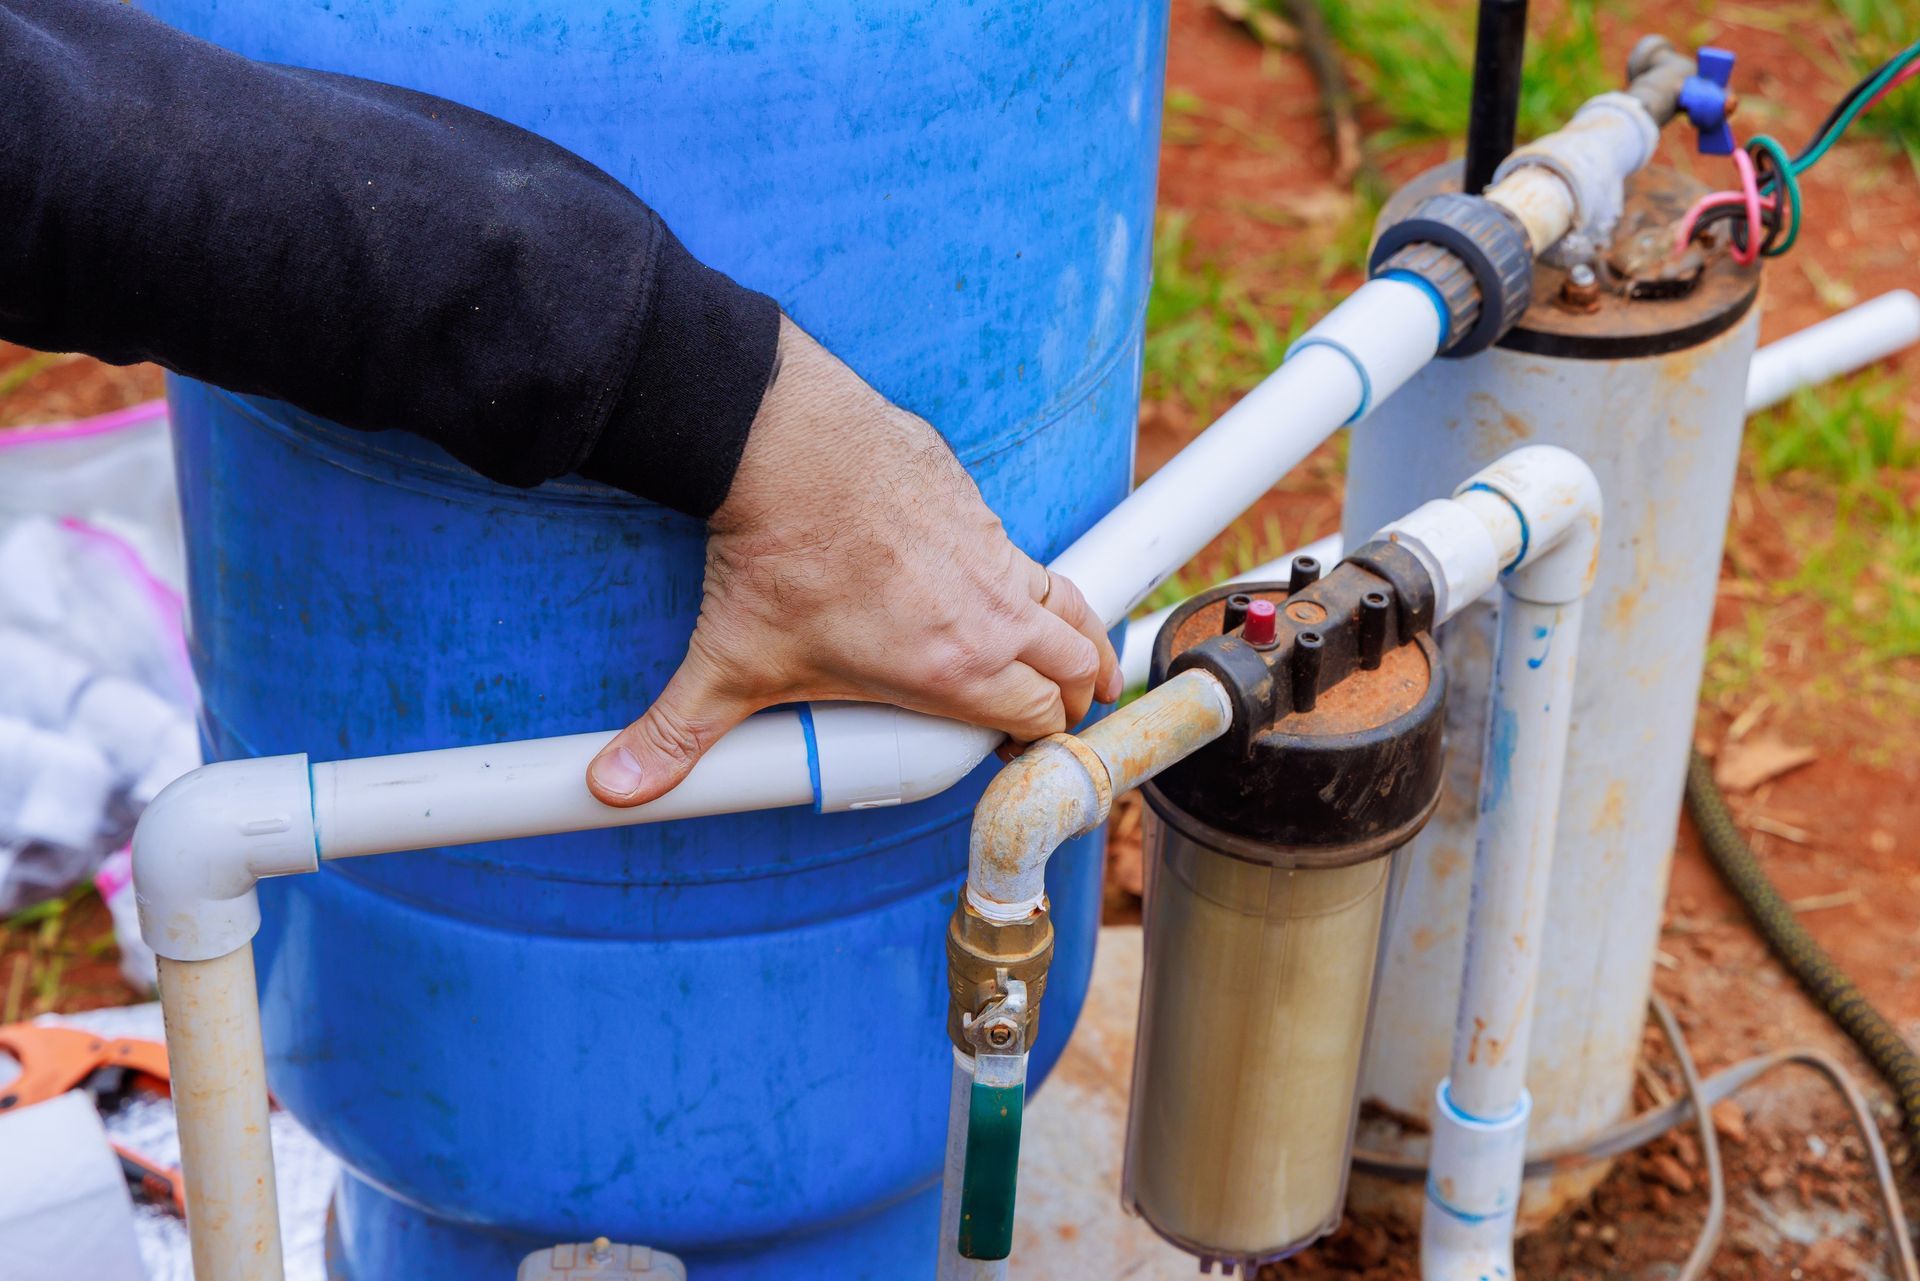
column 220, row 1099
column 1481, row 1112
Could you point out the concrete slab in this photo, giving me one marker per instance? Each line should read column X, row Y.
column 1070, row 1220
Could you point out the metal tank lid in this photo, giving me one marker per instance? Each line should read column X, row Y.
column 1639, row 299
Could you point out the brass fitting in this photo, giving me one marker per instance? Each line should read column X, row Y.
column 978, row 950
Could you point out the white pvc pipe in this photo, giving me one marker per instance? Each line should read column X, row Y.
column 219, row 1084
column 1837, row 345
column 497, row 791
column 1525, row 756
column 1360, row 354
column 1479, row 1127
column 1478, row 1151
column 1833, row 347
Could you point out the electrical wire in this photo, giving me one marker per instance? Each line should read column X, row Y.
column 1700, row 1258
column 1758, row 227
column 1697, row 1104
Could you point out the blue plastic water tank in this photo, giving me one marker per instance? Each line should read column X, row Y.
column 726, row 1037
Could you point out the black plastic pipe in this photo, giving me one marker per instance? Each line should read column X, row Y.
column 1499, row 50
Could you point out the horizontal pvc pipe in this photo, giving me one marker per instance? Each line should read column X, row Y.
column 1837, row 345
column 498, row 791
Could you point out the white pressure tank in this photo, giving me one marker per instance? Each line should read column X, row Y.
column 1643, row 375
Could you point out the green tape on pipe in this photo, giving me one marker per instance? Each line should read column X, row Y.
column 993, row 1166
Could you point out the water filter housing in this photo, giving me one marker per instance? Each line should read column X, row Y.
column 1268, row 869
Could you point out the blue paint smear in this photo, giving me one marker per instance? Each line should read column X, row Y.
column 1541, row 634
column 1503, row 738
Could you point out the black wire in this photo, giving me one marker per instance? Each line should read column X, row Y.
column 1840, row 108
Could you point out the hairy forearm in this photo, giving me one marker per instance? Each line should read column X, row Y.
column 375, row 256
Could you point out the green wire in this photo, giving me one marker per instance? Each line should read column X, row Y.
column 1873, row 87
column 1787, row 170
column 1783, row 167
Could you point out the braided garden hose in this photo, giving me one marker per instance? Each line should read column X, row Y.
column 1805, row 959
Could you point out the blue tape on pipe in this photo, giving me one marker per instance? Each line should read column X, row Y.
column 1526, row 535
column 813, row 755
column 1359, row 367
column 1433, row 296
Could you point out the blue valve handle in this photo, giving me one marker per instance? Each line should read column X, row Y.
column 1704, row 99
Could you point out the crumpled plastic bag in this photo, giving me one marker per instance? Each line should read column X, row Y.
column 97, row 698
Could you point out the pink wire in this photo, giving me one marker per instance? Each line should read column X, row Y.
column 1891, row 85
column 1749, row 194
column 1717, row 200
column 1750, row 191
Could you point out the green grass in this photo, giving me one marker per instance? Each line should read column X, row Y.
column 1876, row 30
column 1211, row 335
column 1851, row 442
column 1208, row 337
column 1413, row 61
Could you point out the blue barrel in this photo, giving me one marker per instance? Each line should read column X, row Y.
column 725, row 1037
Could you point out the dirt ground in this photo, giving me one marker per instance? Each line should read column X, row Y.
column 1247, row 161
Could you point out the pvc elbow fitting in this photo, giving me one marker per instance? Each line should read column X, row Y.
column 1557, row 498
column 206, row 841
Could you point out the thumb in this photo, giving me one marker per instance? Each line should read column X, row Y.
column 650, row 757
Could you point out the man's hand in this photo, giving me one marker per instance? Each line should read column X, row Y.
column 854, row 559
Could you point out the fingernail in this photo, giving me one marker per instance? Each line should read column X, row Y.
column 617, row 773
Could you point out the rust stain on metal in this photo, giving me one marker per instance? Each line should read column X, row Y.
column 1366, row 699
column 1647, row 293
column 1612, row 816
column 1166, row 725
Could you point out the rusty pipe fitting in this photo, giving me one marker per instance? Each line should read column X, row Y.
column 1064, row 785
column 1059, row 788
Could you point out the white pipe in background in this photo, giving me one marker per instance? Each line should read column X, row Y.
column 1136, row 643
column 1480, row 1121
column 1837, row 345
column 1828, row 349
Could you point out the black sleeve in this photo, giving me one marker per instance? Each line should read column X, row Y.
column 376, row 256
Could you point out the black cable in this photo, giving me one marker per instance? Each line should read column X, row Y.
column 1493, row 112
column 1804, row 958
